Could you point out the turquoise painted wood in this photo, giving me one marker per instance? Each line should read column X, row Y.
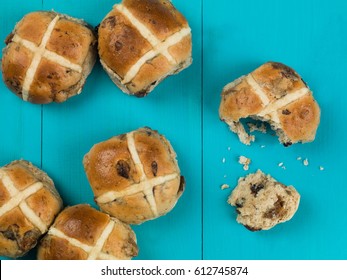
column 20, row 122
column 69, row 130
column 307, row 35
column 230, row 39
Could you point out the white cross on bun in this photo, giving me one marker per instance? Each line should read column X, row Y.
column 48, row 57
column 135, row 176
column 276, row 94
column 29, row 203
column 80, row 232
column 141, row 42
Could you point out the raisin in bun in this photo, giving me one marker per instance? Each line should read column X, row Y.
column 80, row 232
column 135, row 176
column 262, row 202
column 276, row 94
column 29, row 203
column 141, row 42
column 48, row 57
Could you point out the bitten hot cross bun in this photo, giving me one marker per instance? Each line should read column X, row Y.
column 48, row 57
column 29, row 203
column 276, row 94
column 143, row 41
column 261, row 202
column 135, row 176
column 82, row 233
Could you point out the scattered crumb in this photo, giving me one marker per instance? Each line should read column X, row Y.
column 223, row 160
column 256, row 127
column 305, row 162
column 245, row 162
column 229, row 148
column 224, row 186
column 298, row 158
column 225, row 176
column 262, row 146
column 321, row 168
column 281, row 164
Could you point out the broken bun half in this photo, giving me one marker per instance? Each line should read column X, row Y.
column 276, row 94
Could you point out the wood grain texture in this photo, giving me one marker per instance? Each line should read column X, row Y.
column 237, row 36
column 20, row 122
column 61, row 134
column 306, row 35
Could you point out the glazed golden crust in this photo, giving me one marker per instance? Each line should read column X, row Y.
column 81, row 232
column 142, row 42
column 274, row 92
column 149, row 74
column 120, row 43
column 82, row 222
column 33, row 26
column 182, row 50
column 17, row 234
column 109, row 166
column 45, row 205
column 121, row 242
column 239, row 101
column 4, row 194
column 277, row 79
column 15, row 62
column 166, row 195
column 300, row 119
column 70, row 40
column 20, row 175
column 134, row 177
column 156, row 155
column 55, row 248
column 24, row 220
column 160, row 17
column 65, row 54
column 51, row 79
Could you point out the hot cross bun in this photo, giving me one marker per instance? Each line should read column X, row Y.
column 29, row 203
column 48, row 57
column 80, row 232
column 143, row 41
column 135, row 176
column 273, row 93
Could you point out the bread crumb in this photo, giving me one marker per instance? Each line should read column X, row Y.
column 229, row 148
column 255, row 127
column 280, row 164
column 283, row 167
column 298, row 158
column 321, row 168
column 223, row 160
column 305, row 162
column 224, row 186
column 262, row 146
column 225, row 176
column 245, row 162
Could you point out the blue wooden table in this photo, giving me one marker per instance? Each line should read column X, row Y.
column 230, row 38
